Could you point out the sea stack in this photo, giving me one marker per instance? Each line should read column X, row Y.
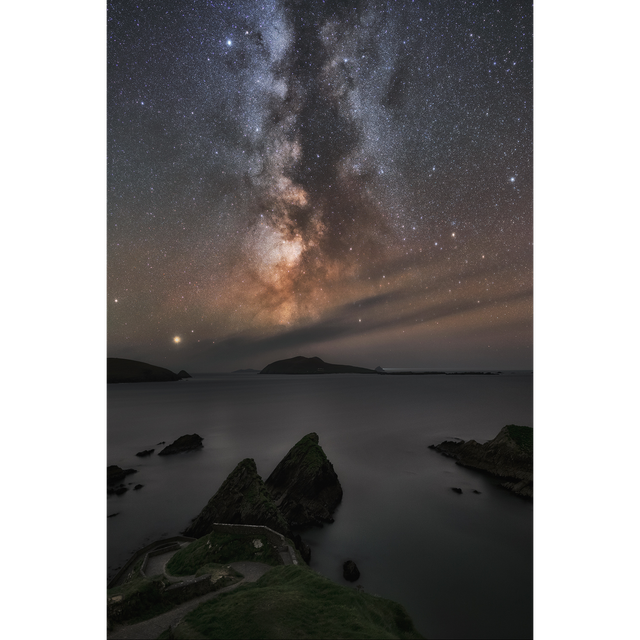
column 304, row 485
column 242, row 499
column 182, row 444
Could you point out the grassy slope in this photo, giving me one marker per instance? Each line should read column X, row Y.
column 522, row 436
column 221, row 548
column 296, row 602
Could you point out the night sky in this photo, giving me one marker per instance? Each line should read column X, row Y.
column 349, row 180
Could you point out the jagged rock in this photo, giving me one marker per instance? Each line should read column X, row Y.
column 456, row 489
column 350, row 571
column 302, row 547
column 476, row 491
column 242, row 499
column 115, row 474
column 304, row 485
column 138, row 486
column 183, row 374
column 509, row 456
column 146, row 452
column 183, row 443
column 379, row 369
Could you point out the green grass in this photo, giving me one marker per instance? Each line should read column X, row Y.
column 221, row 548
column 140, row 599
column 522, row 436
column 295, row 602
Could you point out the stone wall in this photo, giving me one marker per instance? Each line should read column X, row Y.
column 275, row 538
column 161, row 546
column 128, row 566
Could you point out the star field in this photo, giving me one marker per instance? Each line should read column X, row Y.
column 345, row 179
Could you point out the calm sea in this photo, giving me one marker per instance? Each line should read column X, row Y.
column 462, row 565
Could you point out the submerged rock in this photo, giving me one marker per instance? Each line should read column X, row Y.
column 509, row 456
column 242, row 499
column 183, row 443
column 304, row 485
column 456, row 489
column 146, row 452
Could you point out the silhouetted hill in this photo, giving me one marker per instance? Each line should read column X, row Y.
column 300, row 364
column 123, row 370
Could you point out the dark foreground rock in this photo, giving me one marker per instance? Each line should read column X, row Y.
column 242, row 499
column 508, row 456
column 114, row 475
column 302, row 365
column 304, row 485
column 183, row 443
column 350, row 571
column 123, row 370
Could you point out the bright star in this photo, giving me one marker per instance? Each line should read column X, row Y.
column 229, row 43
column 176, row 339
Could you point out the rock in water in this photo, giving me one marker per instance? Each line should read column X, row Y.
column 183, row 374
column 304, row 485
column 242, row 499
column 146, row 452
column 115, row 474
column 183, row 443
column 350, row 571
column 509, row 456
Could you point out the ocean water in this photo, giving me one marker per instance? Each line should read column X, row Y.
column 462, row 565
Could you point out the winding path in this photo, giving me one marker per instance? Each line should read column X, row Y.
column 152, row 628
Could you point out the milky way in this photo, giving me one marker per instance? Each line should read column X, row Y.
column 345, row 179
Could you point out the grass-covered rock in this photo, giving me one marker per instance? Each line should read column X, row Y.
column 220, row 548
column 296, row 602
column 509, row 455
column 242, row 499
column 304, row 485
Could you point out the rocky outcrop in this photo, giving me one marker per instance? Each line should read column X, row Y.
column 302, row 365
column 350, row 571
column 123, row 370
column 304, row 485
column 114, row 475
column 183, row 443
column 182, row 374
column 303, row 490
column 508, row 456
column 242, row 499
column 145, row 453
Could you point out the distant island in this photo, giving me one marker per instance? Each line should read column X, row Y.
column 246, row 371
column 302, row 365
column 124, row 370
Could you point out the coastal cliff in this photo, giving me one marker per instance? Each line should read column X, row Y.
column 509, row 456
